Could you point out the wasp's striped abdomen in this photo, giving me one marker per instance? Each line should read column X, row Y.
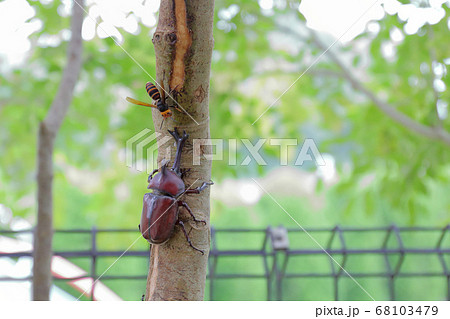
column 152, row 91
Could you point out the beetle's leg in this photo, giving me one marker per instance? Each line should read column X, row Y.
column 185, row 205
column 179, row 222
column 199, row 189
column 184, row 172
column 151, row 175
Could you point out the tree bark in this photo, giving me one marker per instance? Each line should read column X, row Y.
column 183, row 44
column 48, row 130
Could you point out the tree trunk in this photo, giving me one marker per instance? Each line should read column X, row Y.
column 183, row 44
column 48, row 130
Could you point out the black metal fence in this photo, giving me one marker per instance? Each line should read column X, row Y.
column 385, row 259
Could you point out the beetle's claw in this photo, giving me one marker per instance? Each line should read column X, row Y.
column 206, row 184
column 203, row 253
column 200, row 221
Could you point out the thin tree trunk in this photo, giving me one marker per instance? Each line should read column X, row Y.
column 183, row 44
column 48, row 130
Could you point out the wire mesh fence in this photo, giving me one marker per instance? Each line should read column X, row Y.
column 276, row 263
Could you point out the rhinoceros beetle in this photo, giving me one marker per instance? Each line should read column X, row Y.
column 161, row 207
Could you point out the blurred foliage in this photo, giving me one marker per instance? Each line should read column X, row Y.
column 257, row 55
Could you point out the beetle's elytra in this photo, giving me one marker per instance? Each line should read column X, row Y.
column 161, row 207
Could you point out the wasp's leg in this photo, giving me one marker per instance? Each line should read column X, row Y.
column 174, row 92
column 199, row 189
column 178, row 109
column 185, row 205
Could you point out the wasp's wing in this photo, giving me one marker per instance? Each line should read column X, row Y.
column 131, row 100
column 162, row 91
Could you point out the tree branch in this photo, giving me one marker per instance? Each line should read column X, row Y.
column 436, row 133
column 433, row 77
column 48, row 129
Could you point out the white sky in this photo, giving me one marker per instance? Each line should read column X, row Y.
column 344, row 19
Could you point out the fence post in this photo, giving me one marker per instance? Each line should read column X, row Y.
column 442, row 258
column 267, row 272
column 333, row 271
column 280, row 245
column 212, row 263
column 94, row 259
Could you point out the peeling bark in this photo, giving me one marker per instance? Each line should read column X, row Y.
column 182, row 45
column 48, row 130
column 177, row 272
